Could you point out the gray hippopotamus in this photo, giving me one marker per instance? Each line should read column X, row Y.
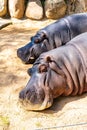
column 61, row 71
column 53, row 36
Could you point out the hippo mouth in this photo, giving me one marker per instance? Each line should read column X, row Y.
column 25, row 57
column 26, row 60
column 27, row 105
column 46, row 103
column 29, row 60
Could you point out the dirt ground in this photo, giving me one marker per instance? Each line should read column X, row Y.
column 67, row 113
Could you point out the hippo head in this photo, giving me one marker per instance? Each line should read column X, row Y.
column 32, row 50
column 44, row 85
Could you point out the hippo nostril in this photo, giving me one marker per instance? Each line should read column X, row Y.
column 28, row 93
column 21, row 95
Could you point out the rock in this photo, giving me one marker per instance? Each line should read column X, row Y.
column 16, row 8
column 34, row 10
column 4, row 23
column 80, row 6
column 75, row 6
column 55, row 9
column 85, row 4
column 3, row 7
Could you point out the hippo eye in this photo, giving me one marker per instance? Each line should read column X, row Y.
column 42, row 68
column 36, row 41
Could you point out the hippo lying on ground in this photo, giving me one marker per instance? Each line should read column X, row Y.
column 53, row 36
column 61, row 71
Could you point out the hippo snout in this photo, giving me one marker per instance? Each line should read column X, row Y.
column 32, row 99
column 19, row 53
column 25, row 56
column 32, row 96
column 35, row 99
column 27, row 96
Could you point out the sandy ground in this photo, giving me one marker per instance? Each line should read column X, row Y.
column 67, row 113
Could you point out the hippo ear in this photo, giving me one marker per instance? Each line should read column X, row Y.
column 42, row 68
column 48, row 59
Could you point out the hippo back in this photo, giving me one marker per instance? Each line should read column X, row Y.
column 77, row 23
column 80, row 43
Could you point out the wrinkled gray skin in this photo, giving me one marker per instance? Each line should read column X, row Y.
column 61, row 71
column 53, row 36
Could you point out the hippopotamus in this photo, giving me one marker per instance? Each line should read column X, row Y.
column 61, row 71
column 53, row 36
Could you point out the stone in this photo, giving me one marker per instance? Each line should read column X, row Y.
column 55, row 9
column 4, row 23
column 75, row 6
column 34, row 10
column 86, row 4
column 3, row 7
column 80, row 6
column 16, row 8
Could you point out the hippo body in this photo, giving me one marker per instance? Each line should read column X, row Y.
column 61, row 71
column 53, row 36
